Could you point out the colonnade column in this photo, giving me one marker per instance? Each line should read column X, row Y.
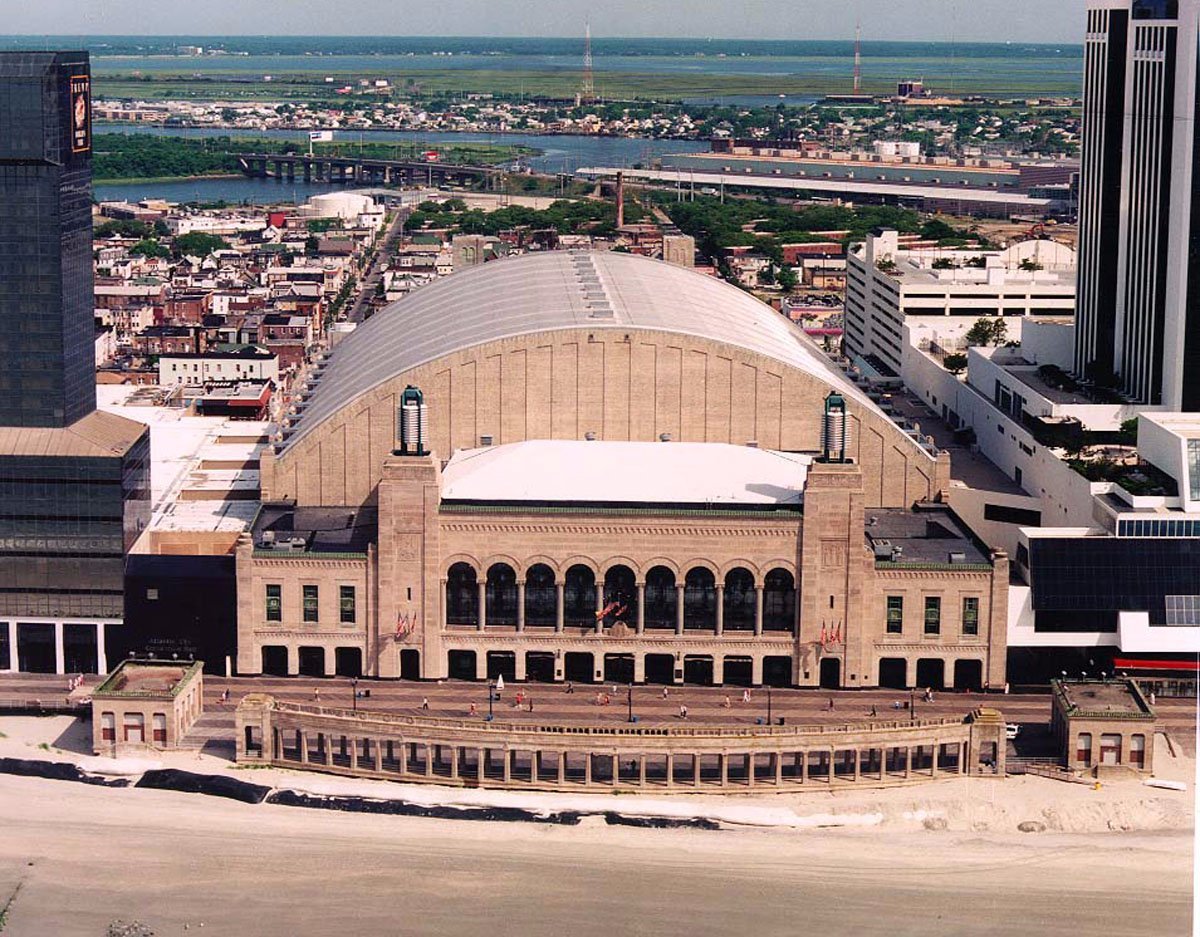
column 679, row 609
column 482, row 605
column 758, row 609
column 454, row 762
column 599, row 607
column 641, row 609
column 60, row 665
column 559, row 611
column 521, row 605
column 353, row 754
column 720, row 608
column 562, row 768
column 378, row 755
column 670, row 769
column 857, row 763
column 908, row 762
column 101, row 656
column 14, row 662
column 933, row 770
column 303, row 743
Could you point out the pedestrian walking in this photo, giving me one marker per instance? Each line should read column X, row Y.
column 473, row 710
column 529, row 700
column 425, row 703
column 873, row 712
column 570, row 687
column 1006, row 688
column 830, row 704
column 746, row 695
column 727, row 704
column 664, row 693
column 317, row 694
column 682, row 711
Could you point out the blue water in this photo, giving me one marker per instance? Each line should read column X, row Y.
column 1042, row 68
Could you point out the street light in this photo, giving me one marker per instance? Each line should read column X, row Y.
column 768, row 705
column 629, row 697
column 491, row 698
column 912, row 705
column 354, row 688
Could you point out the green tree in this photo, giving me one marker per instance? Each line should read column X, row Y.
column 987, row 332
column 148, row 247
column 1129, row 432
column 787, row 278
column 956, row 363
column 198, row 244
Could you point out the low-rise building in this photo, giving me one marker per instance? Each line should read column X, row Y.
column 146, row 704
column 221, row 363
column 1105, row 727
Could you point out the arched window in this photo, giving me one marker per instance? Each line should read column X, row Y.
column 501, row 595
column 462, row 595
column 620, row 595
column 779, row 601
column 699, row 599
column 541, row 597
column 739, row 600
column 579, row 596
column 661, row 598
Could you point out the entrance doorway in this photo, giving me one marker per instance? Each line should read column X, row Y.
column 274, row 660
column 893, row 673
column 579, row 668
column 831, row 673
column 739, row 671
column 461, row 665
column 931, row 673
column 410, row 664
column 698, row 671
column 968, row 675
column 539, row 667
column 502, row 664
column 660, row 668
column 777, row 671
column 618, row 668
column 348, row 661
column 35, row 647
column 312, row 661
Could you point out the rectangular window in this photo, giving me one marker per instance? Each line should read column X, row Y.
column 1137, row 751
column 895, row 614
column 970, row 620
column 309, row 606
column 1110, row 748
column 346, row 605
column 274, row 603
column 933, row 614
column 1083, row 749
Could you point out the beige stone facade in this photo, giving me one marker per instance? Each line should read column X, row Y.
column 1105, row 727
column 615, row 384
column 787, row 597
column 146, row 704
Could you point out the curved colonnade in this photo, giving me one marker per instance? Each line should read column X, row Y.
column 558, row 757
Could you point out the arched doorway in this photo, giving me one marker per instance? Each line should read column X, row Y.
column 831, row 673
column 661, row 598
column 779, row 601
column 410, row 664
column 660, row 668
column 968, row 675
column 462, row 595
column 501, row 595
column 541, row 596
column 620, row 595
column 312, row 661
column 274, row 660
column 931, row 673
column 579, row 596
column 893, row 673
column 461, row 665
column 699, row 599
column 579, row 667
column 739, row 600
column 347, row 661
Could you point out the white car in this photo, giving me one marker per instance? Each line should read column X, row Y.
column 1011, row 730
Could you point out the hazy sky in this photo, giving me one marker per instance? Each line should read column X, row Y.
column 960, row 20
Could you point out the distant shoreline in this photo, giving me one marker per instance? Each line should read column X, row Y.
column 147, row 180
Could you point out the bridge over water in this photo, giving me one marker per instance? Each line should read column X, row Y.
column 363, row 171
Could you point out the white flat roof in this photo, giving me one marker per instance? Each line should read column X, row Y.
column 626, row 472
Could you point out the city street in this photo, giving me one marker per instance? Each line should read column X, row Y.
column 86, row 856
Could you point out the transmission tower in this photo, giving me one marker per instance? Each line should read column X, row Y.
column 858, row 57
column 588, row 93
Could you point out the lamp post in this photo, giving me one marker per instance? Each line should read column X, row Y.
column 354, row 690
column 768, row 705
column 629, row 698
column 912, row 705
column 491, row 698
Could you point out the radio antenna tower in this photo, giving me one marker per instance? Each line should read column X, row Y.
column 588, row 92
column 858, row 57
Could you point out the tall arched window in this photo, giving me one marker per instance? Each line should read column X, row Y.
column 739, row 600
column 661, row 598
column 620, row 595
column 501, row 594
column 579, row 596
column 699, row 599
column 779, row 601
column 462, row 595
column 541, row 596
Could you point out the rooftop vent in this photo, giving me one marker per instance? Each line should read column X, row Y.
column 883, row 549
column 957, row 558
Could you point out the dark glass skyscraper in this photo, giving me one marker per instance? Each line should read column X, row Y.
column 47, row 357
column 74, row 482
column 1138, row 319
